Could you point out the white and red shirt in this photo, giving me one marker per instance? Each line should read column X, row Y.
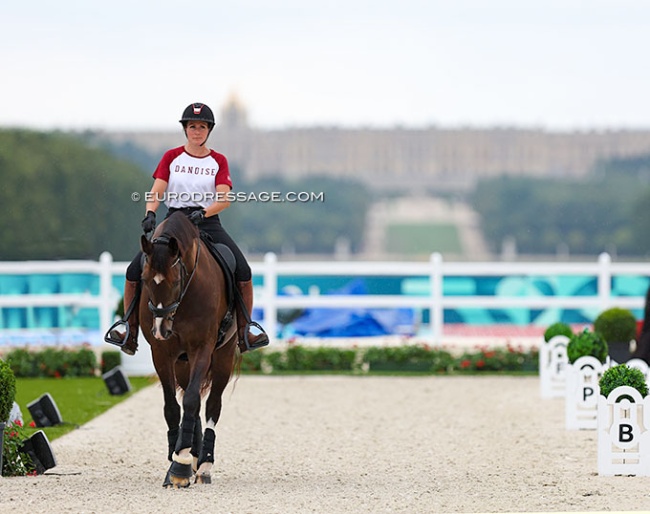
column 192, row 181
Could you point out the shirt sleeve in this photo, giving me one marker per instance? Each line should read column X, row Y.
column 223, row 174
column 163, row 169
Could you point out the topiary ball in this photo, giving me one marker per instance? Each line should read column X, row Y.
column 557, row 329
column 622, row 375
column 616, row 325
column 7, row 390
column 587, row 343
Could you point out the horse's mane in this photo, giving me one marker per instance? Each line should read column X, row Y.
column 178, row 227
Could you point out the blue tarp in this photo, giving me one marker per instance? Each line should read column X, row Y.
column 353, row 322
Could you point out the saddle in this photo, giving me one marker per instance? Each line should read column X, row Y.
column 226, row 260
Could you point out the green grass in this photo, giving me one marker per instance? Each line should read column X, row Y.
column 79, row 399
column 419, row 238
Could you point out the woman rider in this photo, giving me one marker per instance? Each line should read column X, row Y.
column 195, row 180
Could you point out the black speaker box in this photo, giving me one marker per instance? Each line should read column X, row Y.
column 44, row 411
column 40, row 451
column 116, row 381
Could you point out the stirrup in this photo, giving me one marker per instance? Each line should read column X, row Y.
column 262, row 339
column 109, row 338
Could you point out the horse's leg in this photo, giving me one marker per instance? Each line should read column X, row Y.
column 171, row 409
column 197, row 441
column 221, row 369
column 181, row 468
column 182, row 369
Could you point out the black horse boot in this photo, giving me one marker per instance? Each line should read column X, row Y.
column 130, row 343
column 248, row 340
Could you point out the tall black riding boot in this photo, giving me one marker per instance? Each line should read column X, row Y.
column 130, row 344
column 248, row 340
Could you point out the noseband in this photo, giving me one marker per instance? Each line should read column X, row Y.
column 168, row 312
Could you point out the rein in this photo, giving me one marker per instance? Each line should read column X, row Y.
column 169, row 311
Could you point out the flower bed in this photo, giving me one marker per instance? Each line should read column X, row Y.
column 14, row 462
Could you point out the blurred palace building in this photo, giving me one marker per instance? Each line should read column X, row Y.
column 433, row 159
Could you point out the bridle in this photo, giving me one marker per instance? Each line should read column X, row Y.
column 169, row 312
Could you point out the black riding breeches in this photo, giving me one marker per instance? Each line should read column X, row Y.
column 212, row 226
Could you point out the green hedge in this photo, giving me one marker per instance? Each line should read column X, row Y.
column 406, row 358
column 52, row 362
column 81, row 362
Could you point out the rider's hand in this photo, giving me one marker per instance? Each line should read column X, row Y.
column 197, row 217
column 149, row 222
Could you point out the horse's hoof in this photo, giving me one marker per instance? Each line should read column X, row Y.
column 178, row 476
column 203, row 478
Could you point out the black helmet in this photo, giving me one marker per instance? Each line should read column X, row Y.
column 198, row 112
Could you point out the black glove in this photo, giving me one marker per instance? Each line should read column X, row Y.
column 149, row 222
column 197, row 217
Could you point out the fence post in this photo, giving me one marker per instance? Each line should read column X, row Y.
column 270, row 294
column 436, row 311
column 105, row 292
column 604, row 280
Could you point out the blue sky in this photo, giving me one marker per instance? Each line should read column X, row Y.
column 557, row 64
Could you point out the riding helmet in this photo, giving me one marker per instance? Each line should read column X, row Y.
column 198, row 112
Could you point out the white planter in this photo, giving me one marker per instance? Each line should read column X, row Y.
column 582, row 392
column 552, row 367
column 624, row 433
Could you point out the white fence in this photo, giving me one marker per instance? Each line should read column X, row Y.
column 434, row 301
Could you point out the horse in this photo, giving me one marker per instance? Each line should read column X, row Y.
column 182, row 306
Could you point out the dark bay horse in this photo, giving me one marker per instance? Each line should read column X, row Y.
column 183, row 303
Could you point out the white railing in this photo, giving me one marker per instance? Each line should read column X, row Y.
column 435, row 301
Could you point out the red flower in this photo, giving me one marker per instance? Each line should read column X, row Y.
column 489, row 355
column 480, row 363
column 19, row 423
column 32, row 424
column 465, row 363
column 57, row 374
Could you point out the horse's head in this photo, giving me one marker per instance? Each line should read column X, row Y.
column 166, row 275
column 162, row 280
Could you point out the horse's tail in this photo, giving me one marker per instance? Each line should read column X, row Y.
column 236, row 367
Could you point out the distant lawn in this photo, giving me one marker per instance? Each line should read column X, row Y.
column 79, row 399
column 422, row 238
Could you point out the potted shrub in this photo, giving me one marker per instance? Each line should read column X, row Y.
column 557, row 329
column 622, row 375
column 587, row 343
column 7, row 397
column 618, row 327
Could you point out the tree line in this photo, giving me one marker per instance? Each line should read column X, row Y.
column 608, row 210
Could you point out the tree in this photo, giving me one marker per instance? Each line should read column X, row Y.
column 64, row 200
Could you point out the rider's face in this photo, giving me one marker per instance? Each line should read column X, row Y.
column 197, row 132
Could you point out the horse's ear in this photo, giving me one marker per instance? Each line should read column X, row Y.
column 173, row 247
column 146, row 245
